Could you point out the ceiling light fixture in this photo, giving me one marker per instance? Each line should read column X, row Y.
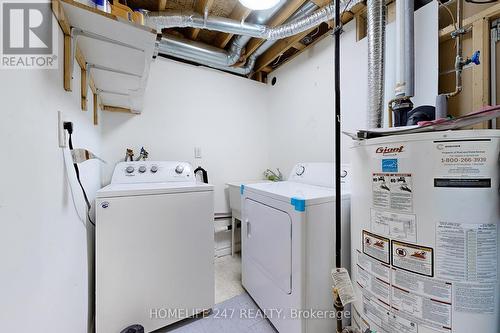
column 259, row 4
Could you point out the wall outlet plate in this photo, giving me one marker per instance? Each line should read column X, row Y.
column 61, row 133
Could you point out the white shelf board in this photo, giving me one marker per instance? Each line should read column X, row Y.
column 110, row 55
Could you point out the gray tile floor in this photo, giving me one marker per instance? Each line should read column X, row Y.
column 227, row 278
column 231, row 313
column 226, row 318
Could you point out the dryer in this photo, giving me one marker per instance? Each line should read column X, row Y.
column 154, row 246
column 288, row 246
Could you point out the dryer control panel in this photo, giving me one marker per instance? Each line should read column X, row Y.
column 152, row 172
column 320, row 174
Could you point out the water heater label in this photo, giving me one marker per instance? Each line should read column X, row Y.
column 394, row 225
column 427, row 311
column 376, row 246
column 424, row 286
column 467, row 252
column 393, row 191
column 464, row 159
column 413, row 258
column 475, row 297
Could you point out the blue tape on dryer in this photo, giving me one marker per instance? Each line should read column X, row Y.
column 242, row 189
column 299, row 204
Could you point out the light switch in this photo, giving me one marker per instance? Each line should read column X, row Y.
column 197, row 152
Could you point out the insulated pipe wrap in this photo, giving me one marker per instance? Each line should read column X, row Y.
column 163, row 20
column 307, row 17
column 376, row 46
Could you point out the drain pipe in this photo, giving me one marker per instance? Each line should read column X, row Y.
column 376, row 45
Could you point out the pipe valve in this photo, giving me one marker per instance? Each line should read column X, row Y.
column 475, row 58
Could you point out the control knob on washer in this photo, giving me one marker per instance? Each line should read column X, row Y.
column 142, row 169
column 154, row 168
column 129, row 169
column 179, row 169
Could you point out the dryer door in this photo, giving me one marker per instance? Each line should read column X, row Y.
column 268, row 243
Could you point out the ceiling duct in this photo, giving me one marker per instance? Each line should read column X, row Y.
column 219, row 58
column 163, row 20
column 224, row 60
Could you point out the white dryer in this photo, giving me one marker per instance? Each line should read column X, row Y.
column 154, row 246
column 288, row 246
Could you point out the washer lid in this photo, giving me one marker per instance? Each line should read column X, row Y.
column 287, row 190
column 125, row 190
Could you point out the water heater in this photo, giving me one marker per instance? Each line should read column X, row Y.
column 425, row 216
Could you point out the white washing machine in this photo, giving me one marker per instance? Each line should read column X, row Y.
column 154, row 246
column 288, row 246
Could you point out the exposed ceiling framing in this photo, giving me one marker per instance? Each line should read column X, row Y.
column 281, row 52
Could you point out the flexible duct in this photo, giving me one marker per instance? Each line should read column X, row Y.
column 221, row 59
column 376, row 45
column 163, row 20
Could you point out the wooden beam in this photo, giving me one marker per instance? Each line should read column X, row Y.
column 489, row 13
column 83, row 88
column 360, row 26
column 239, row 13
column 321, row 3
column 287, row 11
column 200, row 7
column 162, row 5
column 299, row 46
column 279, row 48
column 116, row 109
column 96, row 105
column 481, row 72
column 61, row 17
column 269, row 69
column 68, row 76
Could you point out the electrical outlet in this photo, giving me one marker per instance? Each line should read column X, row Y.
column 61, row 133
column 197, row 152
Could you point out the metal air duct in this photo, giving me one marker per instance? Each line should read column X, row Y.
column 221, row 59
column 376, row 45
column 162, row 20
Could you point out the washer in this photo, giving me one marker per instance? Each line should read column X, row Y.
column 154, row 246
column 288, row 246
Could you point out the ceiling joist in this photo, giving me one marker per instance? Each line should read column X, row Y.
column 200, row 7
column 239, row 13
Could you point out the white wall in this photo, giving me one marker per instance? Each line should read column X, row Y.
column 187, row 106
column 43, row 244
column 301, row 104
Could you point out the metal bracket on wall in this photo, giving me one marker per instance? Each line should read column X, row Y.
column 77, row 32
column 495, row 38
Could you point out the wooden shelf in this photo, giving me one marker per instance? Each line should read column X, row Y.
column 114, row 54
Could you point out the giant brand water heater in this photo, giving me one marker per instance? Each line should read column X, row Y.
column 424, row 234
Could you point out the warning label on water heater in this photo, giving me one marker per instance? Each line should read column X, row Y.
column 393, row 191
column 376, row 246
column 413, row 258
